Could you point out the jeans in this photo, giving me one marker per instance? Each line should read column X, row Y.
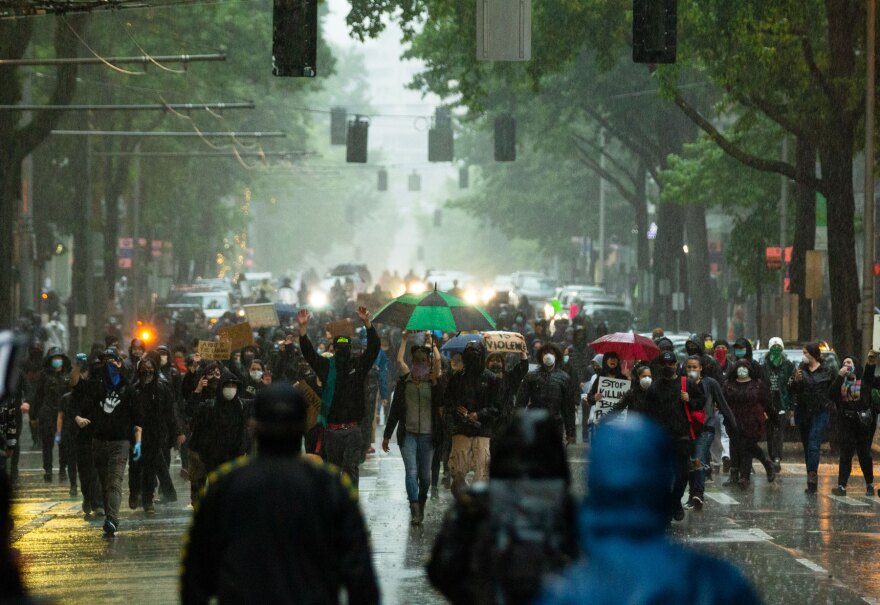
column 418, row 450
column 812, row 428
column 701, row 454
column 110, row 458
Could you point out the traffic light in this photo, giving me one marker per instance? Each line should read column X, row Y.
column 441, row 141
column 338, row 125
column 294, row 38
column 415, row 182
column 505, row 139
column 356, row 141
column 463, row 178
column 383, row 180
column 654, row 31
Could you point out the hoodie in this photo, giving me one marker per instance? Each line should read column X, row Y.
column 628, row 556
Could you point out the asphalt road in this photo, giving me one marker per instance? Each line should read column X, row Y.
column 796, row 548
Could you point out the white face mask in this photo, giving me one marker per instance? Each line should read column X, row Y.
column 549, row 360
column 229, row 392
column 256, row 374
column 806, row 360
column 742, row 372
column 694, row 375
column 163, row 359
column 645, row 382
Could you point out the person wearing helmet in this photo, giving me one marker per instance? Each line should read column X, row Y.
column 628, row 556
column 54, row 383
column 490, row 548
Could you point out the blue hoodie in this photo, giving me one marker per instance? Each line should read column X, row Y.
column 623, row 531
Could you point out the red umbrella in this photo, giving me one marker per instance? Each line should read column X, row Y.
column 627, row 346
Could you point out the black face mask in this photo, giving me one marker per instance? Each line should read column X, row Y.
column 496, row 368
column 213, row 383
column 146, row 377
column 668, row 373
column 342, row 355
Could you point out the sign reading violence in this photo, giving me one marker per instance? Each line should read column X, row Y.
column 215, row 350
column 504, row 342
column 612, row 390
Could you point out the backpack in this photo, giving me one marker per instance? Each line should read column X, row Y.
column 527, row 533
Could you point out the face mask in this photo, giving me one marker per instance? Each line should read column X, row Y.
column 420, row 370
column 565, row 359
column 163, row 359
column 137, row 354
column 739, row 353
column 645, row 382
column 720, row 356
column 775, row 355
column 708, row 345
column 496, row 368
column 742, row 372
column 57, row 363
column 256, row 375
column 343, row 354
column 668, row 373
column 694, row 375
column 549, row 360
column 146, row 377
column 213, row 382
column 229, row 393
column 805, row 360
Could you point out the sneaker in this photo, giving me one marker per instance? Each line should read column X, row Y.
column 725, row 464
column 47, row 477
column 710, row 477
column 839, row 491
column 109, row 528
column 869, row 490
column 678, row 515
column 771, row 473
column 86, row 508
column 695, row 503
column 372, row 450
column 72, row 491
column 133, row 499
column 777, row 464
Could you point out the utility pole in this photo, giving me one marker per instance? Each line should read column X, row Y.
column 870, row 104
column 600, row 267
column 783, row 237
column 26, row 254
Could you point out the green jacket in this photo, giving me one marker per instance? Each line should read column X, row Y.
column 778, row 378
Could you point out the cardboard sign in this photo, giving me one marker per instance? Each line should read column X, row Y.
column 313, row 401
column 238, row 336
column 261, row 316
column 504, row 342
column 613, row 390
column 341, row 327
column 215, row 350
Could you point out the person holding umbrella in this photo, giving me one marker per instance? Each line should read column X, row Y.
column 342, row 401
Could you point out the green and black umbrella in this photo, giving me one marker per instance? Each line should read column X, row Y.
column 433, row 311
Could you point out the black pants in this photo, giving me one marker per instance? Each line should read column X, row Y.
column 67, row 456
column 143, row 474
column 343, row 448
column 89, row 484
column 441, row 456
column 855, row 438
column 776, row 437
column 47, row 439
column 166, row 486
column 743, row 450
column 683, row 448
column 12, row 461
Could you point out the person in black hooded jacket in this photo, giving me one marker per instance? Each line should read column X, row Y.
column 53, row 385
column 551, row 388
column 856, row 421
column 742, row 349
column 695, row 345
column 610, row 369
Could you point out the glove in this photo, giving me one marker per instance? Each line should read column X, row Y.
column 136, row 452
column 58, row 438
column 82, row 358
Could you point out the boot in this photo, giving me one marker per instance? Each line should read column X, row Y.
column 733, row 479
column 771, row 471
column 421, row 510
column 415, row 513
column 812, row 482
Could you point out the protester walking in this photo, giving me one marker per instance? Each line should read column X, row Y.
column 851, row 394
column 811, row 385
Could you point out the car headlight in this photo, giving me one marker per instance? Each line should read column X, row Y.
column 317, row 299
column 471, row 296
column 418, row 287
column 487, row 295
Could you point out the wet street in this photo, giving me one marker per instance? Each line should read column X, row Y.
column 797, row 549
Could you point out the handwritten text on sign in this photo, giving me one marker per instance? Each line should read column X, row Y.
column 215, row 351
column 504, row 342
column 261, row 316
column 239, row 335
column 612, row 390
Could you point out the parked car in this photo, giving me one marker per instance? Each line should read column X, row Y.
column 537, row 287
column 214, row 303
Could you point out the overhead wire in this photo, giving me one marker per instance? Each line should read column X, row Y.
column 144, row 53
column 97, row 56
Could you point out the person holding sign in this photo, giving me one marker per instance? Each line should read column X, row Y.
column 551, row 388
column 342, row 401
column 596, row 397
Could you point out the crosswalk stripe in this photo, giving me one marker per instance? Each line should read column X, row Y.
column 812, row 566
column 849, row 501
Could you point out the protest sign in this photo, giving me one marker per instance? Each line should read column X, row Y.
column 215, row 350
column 238, row 336
column 612, row 390
column 341, row 327
column 261, row 316
column 313, row 402
column 504, row 342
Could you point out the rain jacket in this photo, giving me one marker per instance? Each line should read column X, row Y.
column 755, row 370
column 397, row 413
column 478, row 392
column 812, row 392
column 217, row 424
column 852, row 397
column 778, row 378
column 628, row 556
column 50, row 389
column 749, row 401
column 694, row 346
column 281, row 530
column 553, row 390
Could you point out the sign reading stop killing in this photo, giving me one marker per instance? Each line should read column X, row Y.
column 612, row 390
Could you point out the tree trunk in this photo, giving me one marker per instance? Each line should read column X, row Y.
column 804, row 235
column 81, row 278
column 643, row 256
column 836, row 156
column 667, row 251
column 699, row 282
